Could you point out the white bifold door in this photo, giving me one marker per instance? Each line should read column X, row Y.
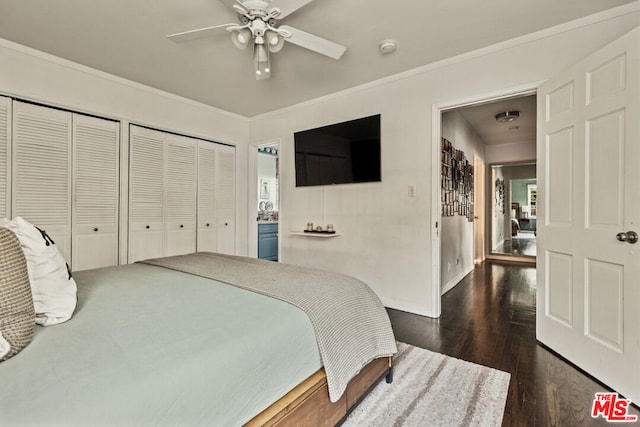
column 5, row 157
column 588, row 274
column 181, row 195
column 64, row 179
column 95, row 185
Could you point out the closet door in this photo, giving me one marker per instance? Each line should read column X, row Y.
column 225, row 199
column 146, row 193
column 207, row 240
column 181, row 175
column 41, row 190
column 5, row 157
column 95, row 190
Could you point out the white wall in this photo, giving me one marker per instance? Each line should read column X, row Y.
column 387, row 237
column 35, row 76
column 456, row 244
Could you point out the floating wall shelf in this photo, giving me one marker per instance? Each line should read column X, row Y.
column 302, row 233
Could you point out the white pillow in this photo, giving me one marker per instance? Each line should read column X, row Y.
column 54, row 290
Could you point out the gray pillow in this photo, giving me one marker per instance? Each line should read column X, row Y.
column 17, row 314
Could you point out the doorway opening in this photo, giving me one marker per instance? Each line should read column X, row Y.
column 500, row 132
column 514, row 211
column 268, row 201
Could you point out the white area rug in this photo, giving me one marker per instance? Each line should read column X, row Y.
column 431, row 389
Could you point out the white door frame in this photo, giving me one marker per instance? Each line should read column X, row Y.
column 436, row 133
column 479, row 210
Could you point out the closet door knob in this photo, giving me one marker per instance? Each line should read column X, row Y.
column 147, row 227
column 95, row 229
column 181, row 226
column 629, row 237
column 207, row 224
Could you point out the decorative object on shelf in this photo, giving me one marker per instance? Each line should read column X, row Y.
column 456, row 182
column 316, row 230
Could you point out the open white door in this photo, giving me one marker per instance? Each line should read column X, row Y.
column 588, row 297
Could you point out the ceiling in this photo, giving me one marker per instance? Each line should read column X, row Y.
column 127, row 38
column 482, row 120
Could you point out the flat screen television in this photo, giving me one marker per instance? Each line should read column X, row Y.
column 340, row 153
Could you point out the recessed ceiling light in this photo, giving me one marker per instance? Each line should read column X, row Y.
column 507, row 116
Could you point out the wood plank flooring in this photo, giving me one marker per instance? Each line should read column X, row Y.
column 518, row 246
column 489, row 318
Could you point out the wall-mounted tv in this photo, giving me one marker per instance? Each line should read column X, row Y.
column 340, row 153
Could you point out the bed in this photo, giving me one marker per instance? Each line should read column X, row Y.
column 152, row 344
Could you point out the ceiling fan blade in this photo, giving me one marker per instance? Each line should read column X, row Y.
column 285, row 7
column 230, row 3
column 186, row 36
column 314, row 43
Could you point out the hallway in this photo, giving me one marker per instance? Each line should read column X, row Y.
column 489, row 318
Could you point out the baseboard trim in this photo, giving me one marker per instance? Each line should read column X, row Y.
column 457, row 279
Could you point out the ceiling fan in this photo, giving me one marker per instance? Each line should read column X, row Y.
column 258, row 23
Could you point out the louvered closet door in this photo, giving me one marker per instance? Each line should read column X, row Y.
column 181, row 173
column 95, row 190
column 206, row 237
column 146, row 193
column 5, row 156
column 225, row 199
column 41, row 188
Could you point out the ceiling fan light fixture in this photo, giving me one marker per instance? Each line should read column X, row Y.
column 507, row 116
column 275, row 41
column 259, row 25
column 241, row 38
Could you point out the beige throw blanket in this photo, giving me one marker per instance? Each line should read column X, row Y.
column 351, row 325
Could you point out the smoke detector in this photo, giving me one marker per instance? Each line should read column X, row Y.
column 387, row 46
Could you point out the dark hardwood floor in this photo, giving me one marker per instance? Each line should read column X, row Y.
column 519, row 245
column 489, row 318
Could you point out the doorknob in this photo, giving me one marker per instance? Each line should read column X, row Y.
column 629, row 236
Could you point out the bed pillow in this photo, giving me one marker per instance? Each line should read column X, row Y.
column 17, row 316
column 54, row 290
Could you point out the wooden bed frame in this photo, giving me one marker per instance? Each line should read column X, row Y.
column 308, row 404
